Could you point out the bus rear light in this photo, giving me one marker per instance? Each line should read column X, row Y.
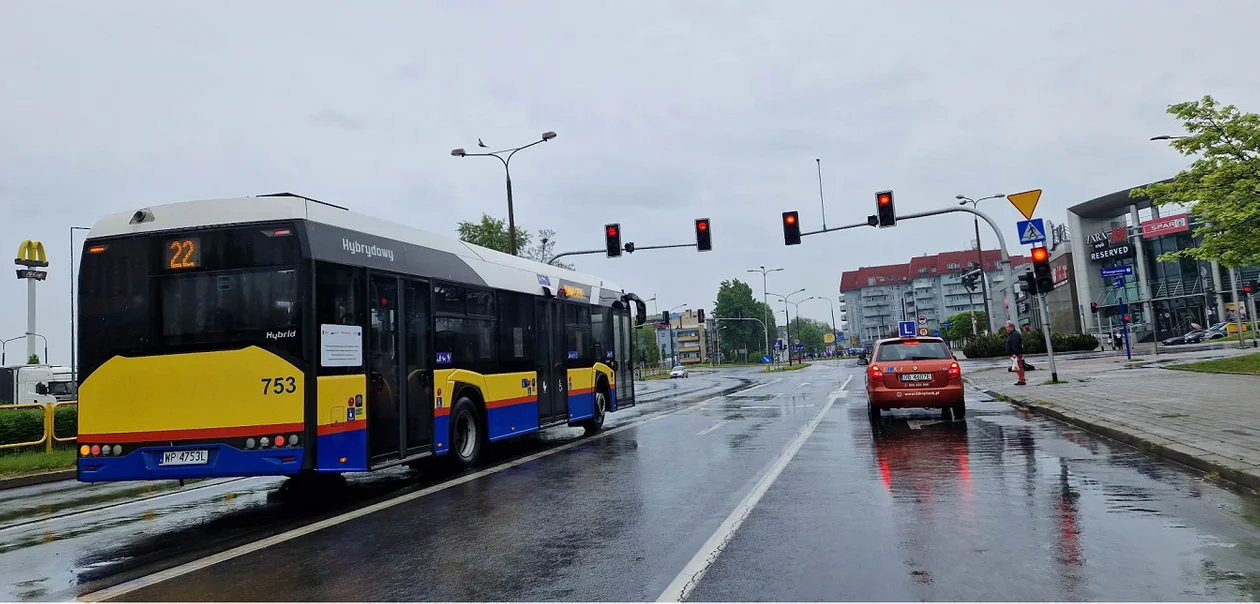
column 293, row 440
column 96, row 249
column 250, row 444
column 279, row 441
column 85, row 450
column 264, row 442
column 96, row 449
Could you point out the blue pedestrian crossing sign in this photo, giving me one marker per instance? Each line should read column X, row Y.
column 1031, row 231
column 905, row 329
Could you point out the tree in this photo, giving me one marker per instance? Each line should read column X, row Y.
column 1222, row 185
column 810, row 333
column 961, row 328
column 735, row 299
column 645, row 345
column 493, row 233
column 33, row 360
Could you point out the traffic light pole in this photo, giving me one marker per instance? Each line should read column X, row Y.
column 763, row 326
column 630, row 249
column 1045, row 331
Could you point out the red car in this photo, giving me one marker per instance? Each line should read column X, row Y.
column 914, row 373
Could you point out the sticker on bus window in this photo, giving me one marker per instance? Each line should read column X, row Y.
column 573, row 355
column 443, row 358
column 340, row 345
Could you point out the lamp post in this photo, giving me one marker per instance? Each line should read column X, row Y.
column 787, row 326
column 74, row 359
column 546, row 136
column 984, row 283
column 673, row 348
column 833, row 319
column 764, row 300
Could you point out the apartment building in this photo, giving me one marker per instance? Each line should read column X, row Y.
column 877, row 297
column 687, row 342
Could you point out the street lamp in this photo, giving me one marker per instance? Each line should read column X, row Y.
column 74, row 359
column 1168, row 137
column 673, row 354
column 764, row 300
column 833, row 317
column 788, row 325
column 546, row 136
column 4, row 353
column 984, row 285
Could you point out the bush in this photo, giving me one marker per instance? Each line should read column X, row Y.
column 27, row 424
column 994, row 345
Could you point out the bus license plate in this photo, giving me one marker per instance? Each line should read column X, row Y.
column 916, row 377
column 185, row 458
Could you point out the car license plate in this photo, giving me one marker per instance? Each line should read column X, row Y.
column 185, row 458
column 916, row 377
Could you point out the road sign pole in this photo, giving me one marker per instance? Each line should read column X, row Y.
column 1045, row 330
column 1124, row 328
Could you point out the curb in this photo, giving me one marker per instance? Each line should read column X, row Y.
column 1248, row 479
column 33, row 479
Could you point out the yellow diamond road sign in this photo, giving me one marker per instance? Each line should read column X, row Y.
column 1025, row 202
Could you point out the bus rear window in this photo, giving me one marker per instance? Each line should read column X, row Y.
column 206, row 305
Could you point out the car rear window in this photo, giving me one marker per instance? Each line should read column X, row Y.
column 912, row 350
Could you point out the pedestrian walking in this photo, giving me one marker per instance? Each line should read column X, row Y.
column 1015, row 348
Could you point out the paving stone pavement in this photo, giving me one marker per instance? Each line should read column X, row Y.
column 1207, row 421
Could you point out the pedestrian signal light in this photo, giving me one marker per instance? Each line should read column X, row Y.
column 885, row 209
column 1127, row 319
column 1093, row 307
column 1247, row 289
column 612, row 239
column 791, row 228
column 703, row 241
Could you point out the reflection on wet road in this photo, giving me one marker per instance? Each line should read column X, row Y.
column 1001, row 506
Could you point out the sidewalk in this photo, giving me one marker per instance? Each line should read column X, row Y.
column 1210, row 422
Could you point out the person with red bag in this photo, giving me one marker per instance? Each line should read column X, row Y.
column 1015, row 348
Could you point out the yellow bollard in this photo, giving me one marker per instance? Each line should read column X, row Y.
column 48, row 427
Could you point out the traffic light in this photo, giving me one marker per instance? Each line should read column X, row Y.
column 1093, row 307
column 665, row 316
column 1028, row 283
column 1041, row 270
column 792, row 228
column 703, row 242
column 885, row 209
column 700, row 315
column 612, row 239
column 1251, row 288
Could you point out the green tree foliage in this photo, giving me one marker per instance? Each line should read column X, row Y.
column 645, row 348
column 493, row 233
column 33, row 360
column 1222, row 184
column 810, row 333
column 735, row 299
column 961, row 328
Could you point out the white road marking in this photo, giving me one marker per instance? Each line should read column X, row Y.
column 802, row 384
column 713, row 427
column 691, row 574
column 746, row 390
column 133, row 585
column 917, row 424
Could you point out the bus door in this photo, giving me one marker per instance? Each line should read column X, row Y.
column 384, row 409
column 553, row 401
column 623, row 335
column 416, row 327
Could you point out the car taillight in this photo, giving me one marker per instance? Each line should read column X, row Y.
column 876, row 372
column 954, row 370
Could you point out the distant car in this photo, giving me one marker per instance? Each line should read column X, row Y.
column 678, row 372
column 914, row 373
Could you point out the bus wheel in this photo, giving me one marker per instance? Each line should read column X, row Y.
column 596, row 423
column 466, row 434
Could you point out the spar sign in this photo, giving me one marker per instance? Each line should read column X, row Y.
column 1165, row 226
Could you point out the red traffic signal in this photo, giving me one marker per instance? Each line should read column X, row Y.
column 1127, row 319
column 612, row 239
column 791, row 228
column 1039, row 254
column 885, row 209
column 1247, row 289
column 612, row 230
column 704, row 241
column 884, row 198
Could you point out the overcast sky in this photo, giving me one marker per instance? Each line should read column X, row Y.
column 666, row 111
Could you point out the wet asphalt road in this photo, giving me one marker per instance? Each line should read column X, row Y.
column 997, row 507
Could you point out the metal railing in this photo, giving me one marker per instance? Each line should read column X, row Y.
column 48, row 435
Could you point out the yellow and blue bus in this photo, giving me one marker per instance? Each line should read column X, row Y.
column 282, row 335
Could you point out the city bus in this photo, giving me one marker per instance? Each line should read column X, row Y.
column 285, row 336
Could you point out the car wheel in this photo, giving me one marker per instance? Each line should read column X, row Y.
column 960, row 410
column 945, row 414
column 872, row 412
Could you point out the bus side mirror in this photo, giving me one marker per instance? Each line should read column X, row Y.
column 862, row 360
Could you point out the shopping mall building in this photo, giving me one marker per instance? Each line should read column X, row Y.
column 1115, row 243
